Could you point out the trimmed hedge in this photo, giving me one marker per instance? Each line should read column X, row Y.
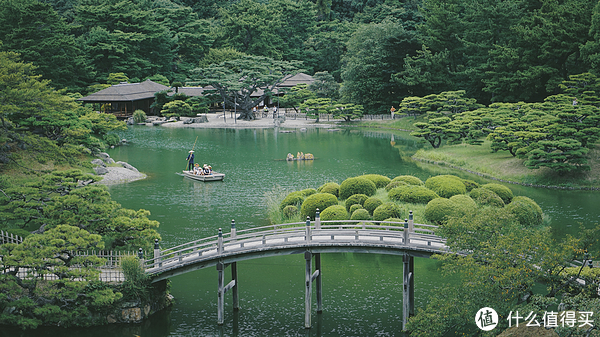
column 527, row 211
column 356, row 199
column 379, row 180
column 411, row 180
column 372, row 203
column 357, row 185
column 470, row 184
column 502, row 191
column 333, row 188
column 289, row 211
column 335, row 212
column 308, row 191
column 360, row 214
column 295, row 199
column 483, row 196
column 412, row 194
column 464, row 204
column 387, row 210
column 354, row 208
column 396, row 183
column 318, row 200
column 446, row 185
column 438, row 210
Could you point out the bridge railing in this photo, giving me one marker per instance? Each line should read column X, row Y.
column 292, row 233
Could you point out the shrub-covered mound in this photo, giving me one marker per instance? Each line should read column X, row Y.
column 396, row 183
column 318, row 200
column 411, row 180
column 379, row 180
column 335, row 212
column 502, row 191
column 470, row 184
column 356, row 199
column 354, row 208
column 387, row 210
column 357, row 185
column 332, row 188
column 527, row 211
column 464, row 204
column 446, row 185
column 295, row 199
column 372, row 203
column 289, row 211
column 412, row 194
column 483, row 196
column 309, row 191
column 438, row 210
column 360, row 214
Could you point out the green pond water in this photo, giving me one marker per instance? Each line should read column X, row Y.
column 362, row 293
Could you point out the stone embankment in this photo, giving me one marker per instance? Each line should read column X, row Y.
column 115, row 172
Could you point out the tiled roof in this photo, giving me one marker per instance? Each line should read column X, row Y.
column 125, row 92
column 299, row 78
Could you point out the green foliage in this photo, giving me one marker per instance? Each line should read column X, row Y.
column 220, row 55
column 139, row 116
column 308, row 191
column 379, row 180
column 334, row 212
column 354, row 208
column 117, row 78
column 318, row 200
column 464, row 204
column 356, row 185
column 386, row 211
column 438, row 210
column 526, row 211
column 446, row 185
column 295, row 198
column 325, row 85
column 331, row 188
column 395, row 184
column 290, row 211
column 158, row 78
column 360, row 214
column 370, row 204
column 411, row 180
column 295, row 96
column 355, row 199
column 484, row 196
column 470, row 184
column 177, row 108
column 412, row 194
column 502, row 191
column 112, row 139
column 137, row 282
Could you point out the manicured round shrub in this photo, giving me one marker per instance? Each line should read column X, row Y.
column 527, row 211
column 446, row 185
column 335, row 212
column 289, row 211
column 464, row 204
column 332, row 188
column 438, row 210
column 502, row 191
column 356, row 199
column 396, row 183
column 387, row 210
column 483, row 196
column 372, row 203
column 139, row 116
column 360, row 214
column 295, row 198
column 412, row 194
column 357, row 185
column 411, row 180
column 470, row 184
column 318, row 200
column 308, row 191
column 354, row 208
column 379, row 180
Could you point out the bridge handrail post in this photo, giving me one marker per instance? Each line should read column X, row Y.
column 233, row 230
column 406, row 239
column 307, row 228
column 141, row 257
column 411, row 223
column 318, row 219
column 157, row 258
column 220, row 242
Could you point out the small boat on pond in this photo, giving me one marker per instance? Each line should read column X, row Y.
column 300, row 156
column 213, row 176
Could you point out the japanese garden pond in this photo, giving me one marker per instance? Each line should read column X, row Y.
column 362, row 293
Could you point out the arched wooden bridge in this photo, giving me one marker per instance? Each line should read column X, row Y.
column 310, row 238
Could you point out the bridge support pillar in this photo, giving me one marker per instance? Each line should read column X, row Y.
column 408, row 289
column 225, row 288
column 309, row 278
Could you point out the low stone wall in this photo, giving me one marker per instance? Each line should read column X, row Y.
column 137, row 312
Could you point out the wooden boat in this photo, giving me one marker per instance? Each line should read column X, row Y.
column 214, row 176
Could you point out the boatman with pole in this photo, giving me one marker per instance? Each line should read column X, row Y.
column 190, row 160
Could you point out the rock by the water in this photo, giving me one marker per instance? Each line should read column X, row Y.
column 100, row 170
column 103, row 155
column 127, row 166
column 98, row 162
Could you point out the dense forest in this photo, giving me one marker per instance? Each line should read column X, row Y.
column 380, row 51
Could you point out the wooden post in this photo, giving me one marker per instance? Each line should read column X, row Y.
column 233, row 230
column 319, row 288
column 407, row 291
column 308, row 289
column 234, row 289
column 220, row 292
column 220, row 242
column 411, row 223
column 157, row 262
column 406, row 238
column 318, row 219
column 411, row 286
column 307, row 228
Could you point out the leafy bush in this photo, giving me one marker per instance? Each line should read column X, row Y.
column 464, row 204
column 290, row 211
column 317, row 200
column 412, row 194
column 112, row 139
column 357, row 185
column 176, row 108
column 394, row 184
column 356, row 199
column 332, row 188
column 411, row 180
column 354, row 208
column 371, row 204
column 470, row 184
column 139, row 116
column 438, row 210
column 483, row 196
column 527, row 211
column 295, row 198
column 502, row 191
column 308, row 191
column 387, row 210
column 360, row 214
column 335, row 212
column 379, row 180
column 446, row 185
column 137, row 282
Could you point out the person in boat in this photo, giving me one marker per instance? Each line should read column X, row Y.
column 197, row 169
column 190, row 160
column 290, row 157
column 206, row 169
